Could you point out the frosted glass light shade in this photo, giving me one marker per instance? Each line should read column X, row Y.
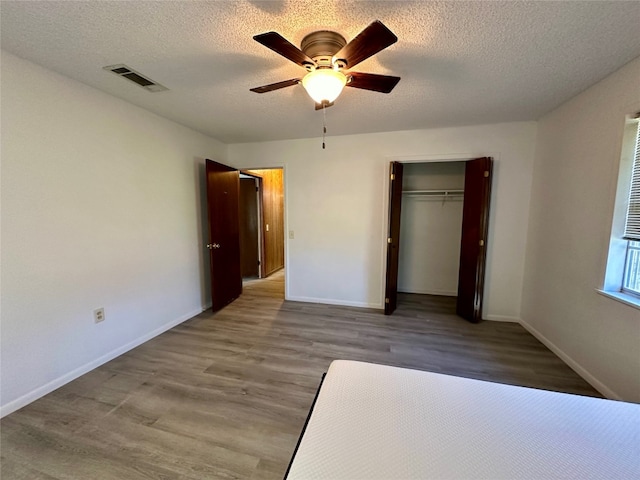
column 324, row 84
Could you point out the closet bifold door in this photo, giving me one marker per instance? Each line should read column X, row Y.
column 473, row 247
column 393, row 238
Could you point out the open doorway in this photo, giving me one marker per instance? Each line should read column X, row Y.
column 262, row 228
column 430, row 235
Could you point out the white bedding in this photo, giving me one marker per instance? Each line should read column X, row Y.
column 380, row 422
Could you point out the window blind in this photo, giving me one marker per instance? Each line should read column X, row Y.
column 632, row 224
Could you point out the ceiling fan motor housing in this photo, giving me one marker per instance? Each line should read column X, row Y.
column 321, row 46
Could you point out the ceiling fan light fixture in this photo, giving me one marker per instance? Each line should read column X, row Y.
column 324, row 84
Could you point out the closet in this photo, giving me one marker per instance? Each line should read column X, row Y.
column 431, row 228
column 433, row 232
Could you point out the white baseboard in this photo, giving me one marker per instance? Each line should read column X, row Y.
column 575, row 366
column 330, row 301
column 501, row 318
column 64, row 379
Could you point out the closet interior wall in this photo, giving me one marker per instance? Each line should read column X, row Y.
column 431, row 228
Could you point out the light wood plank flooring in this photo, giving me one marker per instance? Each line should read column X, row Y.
column 225, row 395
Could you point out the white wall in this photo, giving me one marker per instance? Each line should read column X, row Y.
column 100, row 208
column 573, row 192
column 336, row 201
column 431, row 229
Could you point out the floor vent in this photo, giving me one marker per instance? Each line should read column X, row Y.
column 135, row 77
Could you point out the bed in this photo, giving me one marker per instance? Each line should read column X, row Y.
column 380, row 422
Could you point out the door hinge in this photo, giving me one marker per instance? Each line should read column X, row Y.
column 486, row 173
column 258, row 262
column 482, row 243
column 393, row 177
column 389, row 240
column 257, row 189
column 386, row 300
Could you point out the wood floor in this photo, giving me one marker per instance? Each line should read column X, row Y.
column 226, row 395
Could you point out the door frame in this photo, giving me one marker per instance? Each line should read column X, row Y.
column 427, row 158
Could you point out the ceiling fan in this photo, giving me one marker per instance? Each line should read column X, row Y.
column 327, row 56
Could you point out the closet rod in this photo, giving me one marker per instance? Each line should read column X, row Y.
column 434, row 193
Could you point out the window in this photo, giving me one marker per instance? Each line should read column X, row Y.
column 631, row 280
column 622, row 279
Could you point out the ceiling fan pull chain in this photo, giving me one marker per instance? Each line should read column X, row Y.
column 324, row 123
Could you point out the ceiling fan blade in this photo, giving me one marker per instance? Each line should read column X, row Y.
column 276, row 86
column 281, row 45
column 371, row 40
column 371, row 81
column 320, row 106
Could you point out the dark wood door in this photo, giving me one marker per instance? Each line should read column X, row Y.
column 393, row 239
column 473, row 247
column 223, row 190
column 249, row 224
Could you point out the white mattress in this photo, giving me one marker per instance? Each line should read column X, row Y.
column 380, row 422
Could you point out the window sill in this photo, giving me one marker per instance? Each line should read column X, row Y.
column 625, row 298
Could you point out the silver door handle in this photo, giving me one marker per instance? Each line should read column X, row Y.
column 211, row 246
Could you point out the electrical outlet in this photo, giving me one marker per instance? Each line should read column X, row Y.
column 98, row 315
column 291, row 235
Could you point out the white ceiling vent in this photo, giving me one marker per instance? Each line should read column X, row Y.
column 135, row 77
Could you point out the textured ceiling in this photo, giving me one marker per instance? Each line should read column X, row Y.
column 461, row 63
